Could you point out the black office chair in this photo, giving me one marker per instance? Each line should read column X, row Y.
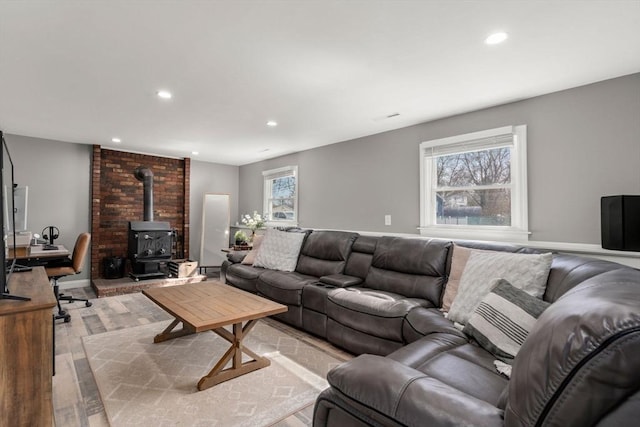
column 69, row 267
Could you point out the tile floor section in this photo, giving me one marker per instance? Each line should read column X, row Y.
column 75, row 394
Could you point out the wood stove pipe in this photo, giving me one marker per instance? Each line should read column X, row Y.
column 145, row 175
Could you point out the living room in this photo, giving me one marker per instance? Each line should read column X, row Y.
column 583, row 124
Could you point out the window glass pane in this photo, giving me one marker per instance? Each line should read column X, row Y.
column 282, row 208
column 282, row 201
column 483, row 167
column 283, row 187
column 474, row 207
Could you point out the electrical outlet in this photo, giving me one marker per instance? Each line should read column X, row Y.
column 387, row 220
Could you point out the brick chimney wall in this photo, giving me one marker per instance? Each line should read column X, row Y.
column 117, row 198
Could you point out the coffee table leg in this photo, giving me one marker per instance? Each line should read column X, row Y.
column 167, row 334
column 218, row 374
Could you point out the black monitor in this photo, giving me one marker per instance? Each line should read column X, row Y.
column 7, row 184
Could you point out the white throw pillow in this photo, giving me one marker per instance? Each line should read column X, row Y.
column 528, row 272
column 279, row 250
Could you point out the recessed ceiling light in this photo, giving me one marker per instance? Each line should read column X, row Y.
column 496, row 38
column 263, row 150
column 164, row 94
column 116, row 140
column 195, row 153
column 272, row 123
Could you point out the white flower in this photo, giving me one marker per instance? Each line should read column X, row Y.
column 253, row 222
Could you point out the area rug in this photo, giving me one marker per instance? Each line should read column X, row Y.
column 142, row 383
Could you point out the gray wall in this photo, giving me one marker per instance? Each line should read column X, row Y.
column 583, row 143
column 209, row 178
column 58, row 176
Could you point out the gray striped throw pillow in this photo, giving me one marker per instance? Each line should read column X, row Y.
column 503, row 319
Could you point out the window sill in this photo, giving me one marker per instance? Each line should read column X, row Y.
column 476, row 233
column 283, row 223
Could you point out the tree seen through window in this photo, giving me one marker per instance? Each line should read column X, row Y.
column 474, row 188
column 282, row 199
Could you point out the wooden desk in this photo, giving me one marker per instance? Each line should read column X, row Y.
column 35, row 255
column 210, row 306
column 26, row 354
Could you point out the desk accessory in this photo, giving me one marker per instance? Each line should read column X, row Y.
column 50, row 233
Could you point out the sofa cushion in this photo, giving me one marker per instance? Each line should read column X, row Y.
column 528, row 272
column 415, row 268
column 279, row 250
column 406, row 396
column 580, row 361
column 374, row 312
column 455, row 362
column 283, row 287
column 502, row 321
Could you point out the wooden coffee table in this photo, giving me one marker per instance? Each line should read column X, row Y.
column 209, row 306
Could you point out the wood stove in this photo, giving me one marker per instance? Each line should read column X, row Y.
column 150, row 241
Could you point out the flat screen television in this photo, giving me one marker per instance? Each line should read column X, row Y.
column 7, row 180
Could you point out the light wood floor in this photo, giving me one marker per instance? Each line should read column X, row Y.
column 75, row 395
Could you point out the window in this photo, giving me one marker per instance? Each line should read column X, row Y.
column 474, row 186
column 281, row 195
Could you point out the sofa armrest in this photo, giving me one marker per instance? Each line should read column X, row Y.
column 340, row 280
column 422, row 321
column 236, row 257
column 407, row 395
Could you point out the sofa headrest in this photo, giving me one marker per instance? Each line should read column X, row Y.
column 412, row 256
column 568, row 271
column 415, row 268
column 580, row 361
column 329, row 245
column 325, row 253
column 365, row 244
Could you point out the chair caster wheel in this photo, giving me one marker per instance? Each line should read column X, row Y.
column 67, row 319
column 88, row 304
column 62, row 313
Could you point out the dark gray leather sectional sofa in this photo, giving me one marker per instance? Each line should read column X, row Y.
column 378, row 297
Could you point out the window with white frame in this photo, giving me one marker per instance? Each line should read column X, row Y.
column 474, row 186
column 281, row 195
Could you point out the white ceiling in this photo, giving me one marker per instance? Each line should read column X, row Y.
column 326, row 71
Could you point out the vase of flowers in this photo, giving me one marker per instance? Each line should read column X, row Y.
column 254, row 222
